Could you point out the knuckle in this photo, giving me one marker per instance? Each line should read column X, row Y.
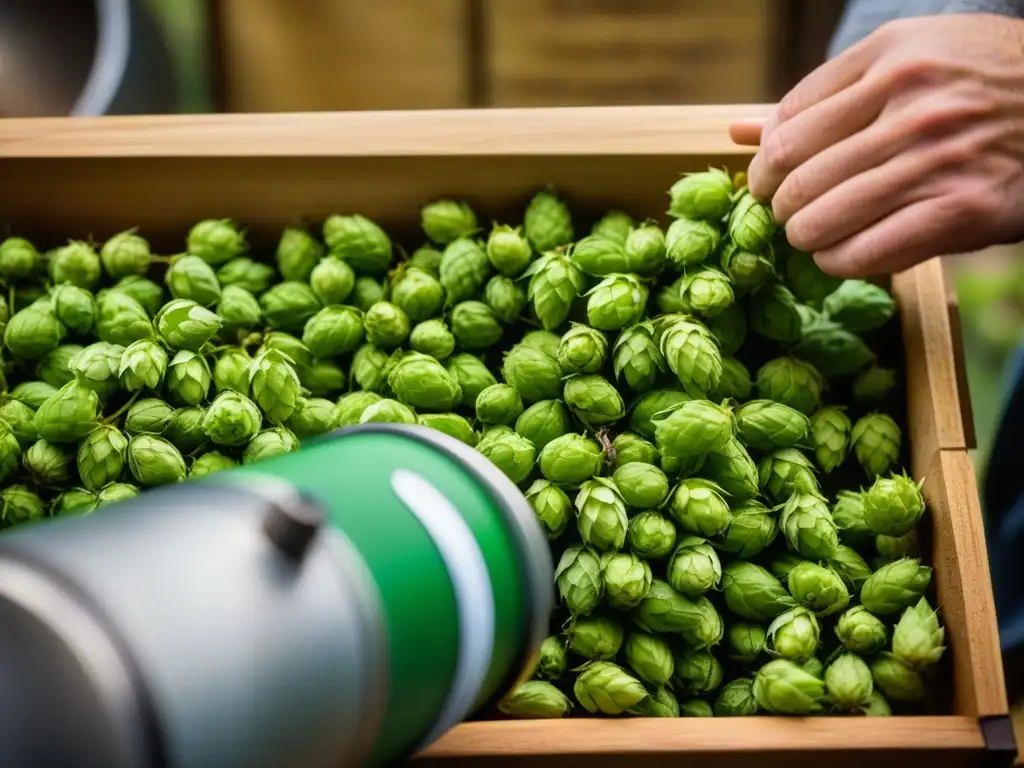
column 791, row 197
column 803, row 233
column 788, row 107
column 777, row 154
column 915, row 73
column 977, row 206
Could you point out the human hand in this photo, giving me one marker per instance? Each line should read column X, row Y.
column 908, row 145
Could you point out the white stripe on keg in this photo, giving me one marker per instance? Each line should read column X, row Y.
column 471, row 583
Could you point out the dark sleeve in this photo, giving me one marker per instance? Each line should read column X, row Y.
column 862, row 17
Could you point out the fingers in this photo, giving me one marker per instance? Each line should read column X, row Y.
column 746, row 132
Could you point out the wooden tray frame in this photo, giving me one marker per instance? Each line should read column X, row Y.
column 80, row 177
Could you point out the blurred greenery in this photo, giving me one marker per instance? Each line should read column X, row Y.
column 185, row 25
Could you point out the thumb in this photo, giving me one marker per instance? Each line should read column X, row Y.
column 746, row 132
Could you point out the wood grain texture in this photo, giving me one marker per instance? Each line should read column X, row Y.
column 964, row 585
column 583, row 52
column 714, row 742
column 595, row 131
column 344, row 54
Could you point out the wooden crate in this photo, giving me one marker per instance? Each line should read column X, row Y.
column 66, row 178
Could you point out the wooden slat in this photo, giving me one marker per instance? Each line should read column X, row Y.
column 583, row 52
column 964, row 584
column 714, row 742
column 343, row 54
column 959, row 357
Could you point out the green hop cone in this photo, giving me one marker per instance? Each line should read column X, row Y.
column 464, row 269
column 698, row 507
column 47, row 464
column 860, row 306
column 536, row 376
column 76, row 263
column 253, row 276
column 695, row 427
column 297, row 254
column 19, row 420
column 918, row 636
column 746, row 269
column 601, row 515
column 833, row 350
column 508, row 250
column 269, row 443
column 782, row 687
column 386, row 326
column 615, row 225
column 627, row 580
column 698, row 672
column 289, row 305
column 746, row 641
column 143, row 365
column 896, row 679
column 148, row 416
column 873, row 386
column 877, row 706
column 20, row 504
column 895, row 586
column 505, row 297
column 731, row 467
column 547, row 222
column 706, row 292
column 552, row 506
column 806, row 280
column 735, row 382
column 189, row 277
column 861, row 632
column 324, row 378
column 787, row 472
column 695, row 708
column 830, row 437
column 499, row 404
column 333, row 281
column 593, row 400
column 650, row 657
column 188, row 378
column 101, row 457
column 601, row 256
column 232, row 419
column 736, row 699
column 452, row 425
column 216, row 241
column 555, row 282
column 709, row 629
column 894, row 547
column 543, row 341
column 334, row 330
column 893, row 505
column 817, row 588
column 472, row 376
column 636, row 357
column 629, row 448
column 645, row 250
column 238, row 308
column 690, row 242
column 349, row 408
column 76, row 501
column 155, row 461
column 849, row 683
column 766, row 425
column 617, row 301
column 417, row 293
column 535, row 699
column 149, row 295
column 33, row 332
column 753, row 593
column 692, row 353
column 876, row 443
column 422, row 382
column 117, row 492
column 511, row 453
column 358, row 241
column 654, row 405
column 597, row 638
column 850, row 566
column 432, row 337
column 694, row 567
column 751, row 530
column 607, row 688
column 552, row 659
column 368, row 368
column 33, row 393
column 231, row 371
column 185, row 429
column 806, row 523
column 19, row 260
column 53, row 366
column 665, row 610
column 274, row 385
column 751, row 225
column 75, row 307
column 704, row 195
column 474, row 325
column 582, row 350
column 729, row 328
column 578, row 579
column 313, row 416
column 849, row 516
column 772, row 313
column 650, row 535
column 69, row 415
column 643, row 486
column 793, row 635
column 791, row 382
column 183, row 324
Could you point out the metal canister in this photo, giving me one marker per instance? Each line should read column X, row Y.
column 343, row 605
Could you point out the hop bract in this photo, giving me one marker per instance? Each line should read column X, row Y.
column 893, row 505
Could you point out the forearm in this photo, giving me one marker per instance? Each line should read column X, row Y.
column 862, row 17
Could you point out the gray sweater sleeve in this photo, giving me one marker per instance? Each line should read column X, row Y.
column 862, row 17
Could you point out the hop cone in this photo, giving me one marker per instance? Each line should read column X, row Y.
column 781, row 687
column 358, row 241
column 555, row 282
column 578, row 579
column 766, row 425
column 693, row 355
column 917, row 639
column 893, row 505
column 751, row 224
column 704, row 195
column 582, row 350
column 636, row 358
column 830, row 437
column 895, row 586
column 876, row 443
column 601, row 515
column 617, row 301
column 447, row 220
column 101, row 457
column 607, row 688
column 860, row 306
column 535, row 699
column 808, row 527
column 690, row 242
column 791, row 382
column 464, row 269
column 547, row 222
column 861, row 632
column 786, row 472
column 752, row 592
column 508, row 250
column 275, row 385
